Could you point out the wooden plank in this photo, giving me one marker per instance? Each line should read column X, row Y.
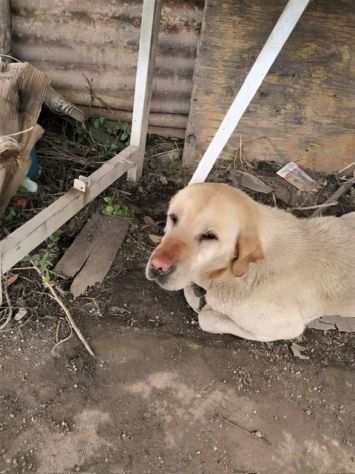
column 109, row 236
column 274, row 44
column 189, row 153
column 304, row 110
column 144, row 81
column 5, row 27
column 77, row 254
column 27, row 237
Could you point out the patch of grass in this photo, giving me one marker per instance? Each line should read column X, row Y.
column 112, row 209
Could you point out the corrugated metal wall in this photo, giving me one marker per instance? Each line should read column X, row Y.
column 89, row 50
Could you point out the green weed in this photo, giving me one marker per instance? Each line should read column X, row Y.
column 101, row 136
column 46, row 257
column 111, row 209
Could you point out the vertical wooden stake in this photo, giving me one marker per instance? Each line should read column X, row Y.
column 5, row 27
column 144, row 79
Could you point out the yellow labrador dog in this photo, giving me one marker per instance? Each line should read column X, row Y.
column 266, row 273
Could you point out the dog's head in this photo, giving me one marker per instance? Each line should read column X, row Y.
column 211, row 229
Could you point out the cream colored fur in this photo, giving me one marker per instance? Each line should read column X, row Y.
column 269, row 273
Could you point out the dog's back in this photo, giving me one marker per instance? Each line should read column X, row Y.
column 313, row 257
column 350, row 220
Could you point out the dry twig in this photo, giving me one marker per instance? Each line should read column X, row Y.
column 59, row 342
column 335, row 196
column 10, row 310
column 316, row 206
column 347, row 170
column 256, row 433
column 69, row 317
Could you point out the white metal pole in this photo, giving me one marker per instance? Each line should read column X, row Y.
column 278, row 37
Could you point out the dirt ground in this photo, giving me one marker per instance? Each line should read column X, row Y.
column 163, row 397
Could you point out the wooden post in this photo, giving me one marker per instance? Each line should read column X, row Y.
column 5, row 27
column 144, row 79
column 190, row 132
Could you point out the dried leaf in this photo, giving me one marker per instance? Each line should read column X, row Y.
column 148, row 220
column 345, row 324
column 155, row 238
column 21, row 313
column 297, row 350
column 326, row 323
column 247, row 180
column 321, row 325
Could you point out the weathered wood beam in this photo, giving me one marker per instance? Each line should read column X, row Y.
column 31, row 234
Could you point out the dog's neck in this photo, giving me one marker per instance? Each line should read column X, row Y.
column 282, row 237
column 277, row 229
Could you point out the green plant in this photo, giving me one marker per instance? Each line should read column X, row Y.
column 100, row 137
column 108, row 135
column 11, row 214
column 45, row 258
column 22, row 190
column 112, row 209
column 54, row 238
column 44, row 264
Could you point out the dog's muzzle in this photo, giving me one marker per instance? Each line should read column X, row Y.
column 158, row 273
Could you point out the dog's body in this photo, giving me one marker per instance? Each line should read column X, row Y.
column 267, row 274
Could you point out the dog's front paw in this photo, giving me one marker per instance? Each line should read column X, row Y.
column 195, row 297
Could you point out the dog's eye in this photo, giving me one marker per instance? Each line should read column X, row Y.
column 207, row 236
column 174, row 219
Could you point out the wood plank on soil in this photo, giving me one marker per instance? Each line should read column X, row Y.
column 110, row 235
column 27, row 237
column 76, row 255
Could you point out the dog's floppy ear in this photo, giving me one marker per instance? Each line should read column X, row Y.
column 248, row 250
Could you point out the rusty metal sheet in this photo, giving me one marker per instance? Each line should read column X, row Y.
column 89, row 50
